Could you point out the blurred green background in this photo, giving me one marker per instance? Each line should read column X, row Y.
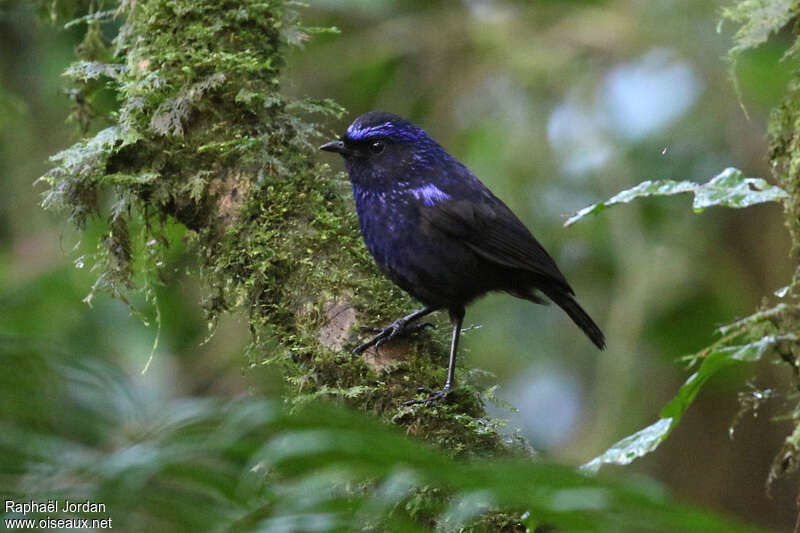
column 554, row 105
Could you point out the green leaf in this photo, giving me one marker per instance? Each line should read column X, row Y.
column 729, row 189
column 648, row 439
column 74, row 426
column 633, row 446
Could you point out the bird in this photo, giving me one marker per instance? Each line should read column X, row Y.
column 435, row 230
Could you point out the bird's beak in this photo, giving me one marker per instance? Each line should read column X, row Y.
column 335, row 146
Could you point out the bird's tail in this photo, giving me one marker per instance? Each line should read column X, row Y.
column 568, row 303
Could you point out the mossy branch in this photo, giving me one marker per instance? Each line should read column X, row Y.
column 757, row 21
column 203, row 137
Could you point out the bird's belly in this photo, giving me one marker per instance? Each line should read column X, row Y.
column 442, row 273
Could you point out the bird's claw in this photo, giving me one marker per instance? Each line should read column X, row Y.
column 433, row 397
column 396, row 328
column 419, row 327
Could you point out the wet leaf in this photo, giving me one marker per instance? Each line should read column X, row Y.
column 633, row 446
column 648, row 439
column 729, row 189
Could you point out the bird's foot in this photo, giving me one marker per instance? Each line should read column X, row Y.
column 399, row 327
column 433, row 396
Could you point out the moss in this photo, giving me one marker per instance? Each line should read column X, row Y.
column 758, row 20
column 785, row 157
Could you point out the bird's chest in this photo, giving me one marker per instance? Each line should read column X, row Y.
column 387, row 221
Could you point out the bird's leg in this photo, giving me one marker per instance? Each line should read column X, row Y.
column 398, row 327
column 457, row 319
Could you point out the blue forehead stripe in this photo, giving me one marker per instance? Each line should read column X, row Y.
column 386, row 129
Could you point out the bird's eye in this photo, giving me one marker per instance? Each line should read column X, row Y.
column 377, row 147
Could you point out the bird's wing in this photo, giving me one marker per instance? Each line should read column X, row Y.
column 491, row 230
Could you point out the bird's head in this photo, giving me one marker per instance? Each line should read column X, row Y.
column 380, row 146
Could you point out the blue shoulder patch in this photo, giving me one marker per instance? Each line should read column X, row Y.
column 430, row 194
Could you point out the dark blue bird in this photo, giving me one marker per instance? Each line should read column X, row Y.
column 437, row 232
